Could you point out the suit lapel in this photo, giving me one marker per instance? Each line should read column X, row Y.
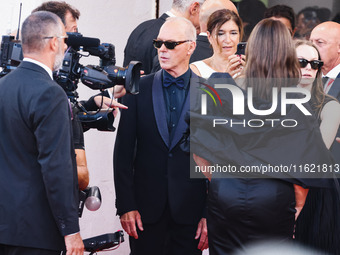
column 159, row 107
column 335, row 89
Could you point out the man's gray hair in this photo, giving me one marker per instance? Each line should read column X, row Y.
column 189, row 29
column 183, row 5
column 37, row 26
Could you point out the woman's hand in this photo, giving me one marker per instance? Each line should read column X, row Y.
column 235, row 65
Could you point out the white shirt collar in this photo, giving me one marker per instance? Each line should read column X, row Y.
column 203, row 34
column 47, row 69
column 334, row 72
column 170, row 14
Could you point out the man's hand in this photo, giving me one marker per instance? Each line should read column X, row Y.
column 74, row 245
column 105, row 103
column 338, row 139
column 203, row 232
column 129, row 221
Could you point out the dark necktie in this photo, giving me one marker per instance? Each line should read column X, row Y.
column 324, row 80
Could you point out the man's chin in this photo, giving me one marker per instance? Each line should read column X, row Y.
column 164, row 65
column 56, row 67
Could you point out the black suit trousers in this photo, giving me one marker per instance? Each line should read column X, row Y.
column 17, row 250
column 165, row 237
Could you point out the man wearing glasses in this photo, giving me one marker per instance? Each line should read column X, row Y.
column 69, row 17
column 159, row 206
column 38, row 179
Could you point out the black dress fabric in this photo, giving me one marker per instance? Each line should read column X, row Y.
column 244, row 208
column 318, row 225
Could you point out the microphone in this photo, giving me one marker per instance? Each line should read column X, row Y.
column 77, row 40
column 94, row 198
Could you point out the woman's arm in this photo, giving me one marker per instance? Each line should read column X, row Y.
column 201, row 162
column 330, row 120
column 300, row 199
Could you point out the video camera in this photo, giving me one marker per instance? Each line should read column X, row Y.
column 100, row 77
column 10, row 54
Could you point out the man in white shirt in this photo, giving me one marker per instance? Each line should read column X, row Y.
column 326, row 37
column 38, row 178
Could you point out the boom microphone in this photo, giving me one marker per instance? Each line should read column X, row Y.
column 77, row 40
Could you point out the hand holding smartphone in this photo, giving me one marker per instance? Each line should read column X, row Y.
column 241, row 48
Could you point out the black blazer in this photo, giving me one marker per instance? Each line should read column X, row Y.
column 203, row 49
column 139, row 45
column 335, row 92
column 38, row 178
column 149, row 169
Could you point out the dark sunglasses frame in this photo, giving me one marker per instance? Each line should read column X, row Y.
column 315, row 64
column 168, row 44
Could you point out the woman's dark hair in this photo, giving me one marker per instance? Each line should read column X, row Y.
column 219, row 17
column 271, row 59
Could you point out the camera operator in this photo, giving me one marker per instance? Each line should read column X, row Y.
column 69, row 17
column 38, row 171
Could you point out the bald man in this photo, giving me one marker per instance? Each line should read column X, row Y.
column 139, row 45
column 159, row 206
column 326, row 37
column 203, row 49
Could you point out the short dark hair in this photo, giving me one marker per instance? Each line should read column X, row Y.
column 58, row 8
column 38, row 25
column 281, row 11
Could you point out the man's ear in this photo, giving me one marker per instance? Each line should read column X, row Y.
column 54, row 44
column 195, row 8
column 192, row 48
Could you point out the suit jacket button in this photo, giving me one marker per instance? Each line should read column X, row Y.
column 170, row 155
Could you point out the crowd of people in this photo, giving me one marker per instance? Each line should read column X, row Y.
column 239, row 210
column 161, row 207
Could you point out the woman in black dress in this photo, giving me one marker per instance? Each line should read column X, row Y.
column 249, row 206
column 318, row 226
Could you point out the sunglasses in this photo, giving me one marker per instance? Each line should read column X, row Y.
column 315, row 64
column 168, row 44
column 61, row 37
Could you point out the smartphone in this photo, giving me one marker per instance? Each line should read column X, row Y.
column 241, row 48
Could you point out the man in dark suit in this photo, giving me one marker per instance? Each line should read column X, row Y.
column 326, row 37
column 139, row 45
column 69, row 16
column 203, row 48
column 151, row 172
column 38, row 179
